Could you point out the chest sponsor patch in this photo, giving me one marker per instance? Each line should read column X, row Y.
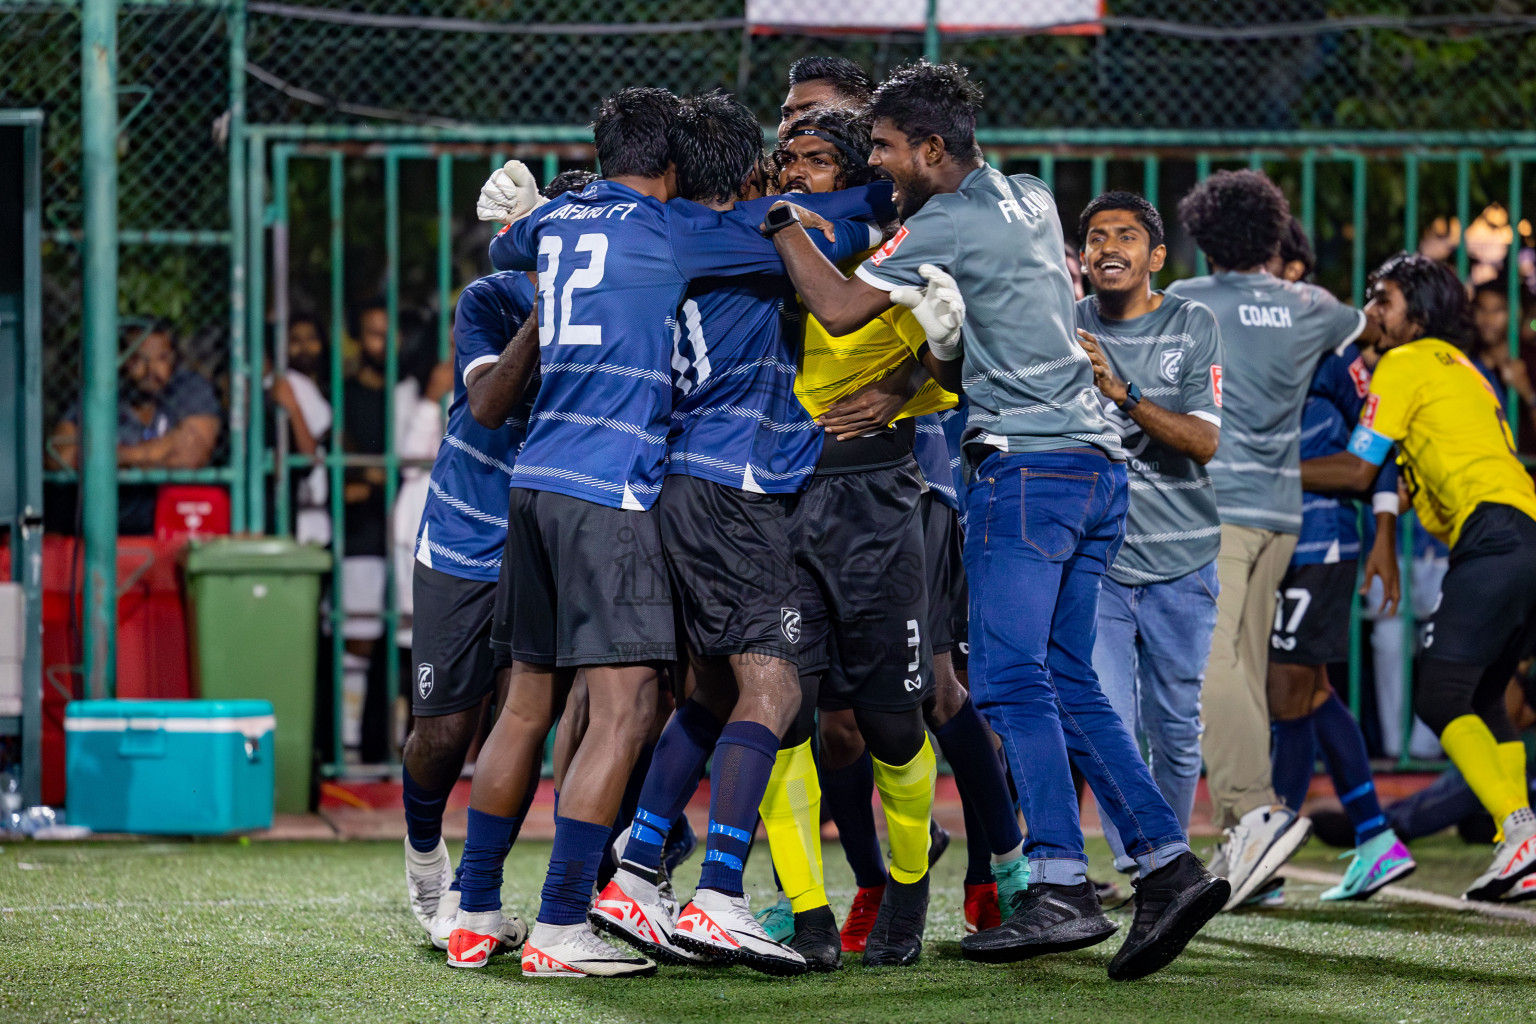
column 1361, row 377
column 889, row 247
column 1172, row 362
column 1368, row 414
column 1216, row 384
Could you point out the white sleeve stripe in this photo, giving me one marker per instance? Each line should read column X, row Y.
column 875, row 235
column 476, row 363
column 863, row 274
column 1209, row 417
column 1359, row 327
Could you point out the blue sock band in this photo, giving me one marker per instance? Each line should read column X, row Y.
column 423, row 812
column 846, row 793
column 967, row 746
column 1348, row 763
column 743, row 761
column 1292, row 755
column 486, row 845
column 676, row 767
column 573, row 865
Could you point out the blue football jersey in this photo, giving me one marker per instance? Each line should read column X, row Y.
column 937, row 449
column 735, row 418
column 464, row 525
column 613, row 267
column 1330, row 524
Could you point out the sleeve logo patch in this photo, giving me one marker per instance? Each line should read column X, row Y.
column 889, row 247
column 1216, row 384
column 1368, row 414
column 1361, row 376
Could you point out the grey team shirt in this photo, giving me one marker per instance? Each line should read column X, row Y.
column 1273, row 334
column 1028, row 381
column 1173, row 354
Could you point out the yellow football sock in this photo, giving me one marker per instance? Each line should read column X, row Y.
column 1488, row 769
column 791, row 811
column 906, row 793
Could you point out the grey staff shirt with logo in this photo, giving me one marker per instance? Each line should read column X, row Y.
column 1029, row 383
column 1273, row 334
column 1173, row 354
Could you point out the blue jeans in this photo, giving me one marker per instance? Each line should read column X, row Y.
column 1042, row 529
column 1154, row 641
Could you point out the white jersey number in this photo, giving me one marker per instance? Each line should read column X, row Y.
column 590, row 276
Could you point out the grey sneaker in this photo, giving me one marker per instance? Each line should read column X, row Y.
column 1257, row 847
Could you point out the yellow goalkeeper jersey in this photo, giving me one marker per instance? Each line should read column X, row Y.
column 1455, row 447
column 835, row 367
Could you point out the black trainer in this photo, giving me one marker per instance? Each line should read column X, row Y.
column 817, row 939
column 1046, row 919
column 1172, row 904
column 896, row 940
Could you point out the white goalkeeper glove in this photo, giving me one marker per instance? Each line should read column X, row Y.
column 509, row 194
column 939, row 308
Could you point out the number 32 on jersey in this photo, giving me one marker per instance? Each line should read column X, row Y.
column 555, row 316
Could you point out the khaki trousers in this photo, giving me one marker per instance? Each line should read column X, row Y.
column 1235, row 700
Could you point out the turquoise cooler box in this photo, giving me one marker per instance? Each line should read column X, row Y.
column 177, row 767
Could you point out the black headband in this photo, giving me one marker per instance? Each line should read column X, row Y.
column 850, row 156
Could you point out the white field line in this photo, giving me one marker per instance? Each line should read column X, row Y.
column 53, row 908
column 1407, row 895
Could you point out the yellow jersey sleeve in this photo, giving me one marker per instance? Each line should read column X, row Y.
column 1454, row 443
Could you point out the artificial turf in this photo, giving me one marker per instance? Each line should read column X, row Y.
column 179, row 931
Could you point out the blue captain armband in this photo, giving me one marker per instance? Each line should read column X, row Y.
column 1369, row 445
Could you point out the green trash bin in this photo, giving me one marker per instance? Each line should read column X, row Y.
column 255, row 610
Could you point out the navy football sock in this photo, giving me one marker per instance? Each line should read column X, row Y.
column 423, row 811
column 485, row 850
column 572, row 870
column 743, row 762
column 1292, row 755
column 967, row 746
column 676, row 767
column 978, row 862
column 517, row 826
column 847, row 793
column 1349, row 765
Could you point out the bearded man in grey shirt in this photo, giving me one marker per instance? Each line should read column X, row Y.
column 1157, row 365
column 1275, row 332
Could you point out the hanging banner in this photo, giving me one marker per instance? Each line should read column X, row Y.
column 954, row 16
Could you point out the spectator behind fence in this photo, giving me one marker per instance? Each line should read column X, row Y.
column 1491, row 355
column 299, row 392
column 168, row 417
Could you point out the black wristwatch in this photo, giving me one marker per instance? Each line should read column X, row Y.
column 1132, row 398
column 780, row 217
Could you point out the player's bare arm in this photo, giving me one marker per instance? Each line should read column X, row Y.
column 1341, row 471
column 842, row 304
column 494, row 389
column 1195, row 437
column 876, row 404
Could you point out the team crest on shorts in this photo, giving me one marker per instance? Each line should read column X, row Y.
column 424, row 680
column 789, row 622
column 1173, row 362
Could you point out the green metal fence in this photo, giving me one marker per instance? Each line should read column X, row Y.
column 241, row 159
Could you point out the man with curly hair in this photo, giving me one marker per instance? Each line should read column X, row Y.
column 1274, row 333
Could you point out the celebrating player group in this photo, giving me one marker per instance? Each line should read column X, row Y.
column 803, row 464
